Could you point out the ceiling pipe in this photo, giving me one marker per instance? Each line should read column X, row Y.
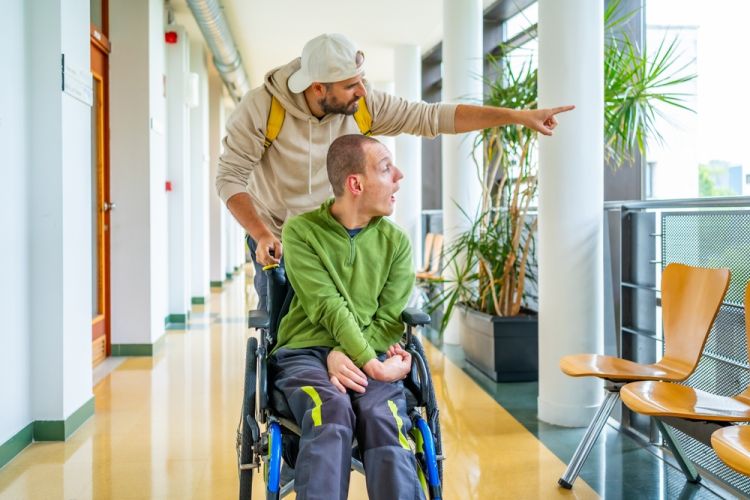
column 212, row 23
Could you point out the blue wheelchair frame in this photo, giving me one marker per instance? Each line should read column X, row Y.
column 262, row 404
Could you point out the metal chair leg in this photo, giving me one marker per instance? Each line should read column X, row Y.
column 682, row 460
column 592, row 434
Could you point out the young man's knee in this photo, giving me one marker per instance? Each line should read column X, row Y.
column 383, row 423
column 329, row 407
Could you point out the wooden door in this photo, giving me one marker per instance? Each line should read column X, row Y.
column 101, row 204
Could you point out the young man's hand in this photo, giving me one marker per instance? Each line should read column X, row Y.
column 344, row 373
column 396, row 367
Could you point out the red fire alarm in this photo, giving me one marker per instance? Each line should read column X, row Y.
column 170, row 37
column 168, row 185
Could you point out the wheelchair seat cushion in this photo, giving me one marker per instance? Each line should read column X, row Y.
column 279, row 404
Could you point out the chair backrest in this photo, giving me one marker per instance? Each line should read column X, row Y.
column 280, row 294
column 427, row 252
column 745, row 395
column 690, row 299
column 437, row 253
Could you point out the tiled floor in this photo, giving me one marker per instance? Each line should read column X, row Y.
column 165, row 427
column 618, row 467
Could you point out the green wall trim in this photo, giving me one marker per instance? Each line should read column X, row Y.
column 16, row 444
column 217, row 284
column 138, row 349
column 198, row 300
column 60, row 430
column 178, row 318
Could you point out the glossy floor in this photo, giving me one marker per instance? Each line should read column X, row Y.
column 165, row 427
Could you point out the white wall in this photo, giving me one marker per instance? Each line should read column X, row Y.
column 200, row 184
column 60, row 216
column 138, row 171
column 14, row 290
column 178, row 172
column 158, row 166
column 76, row 216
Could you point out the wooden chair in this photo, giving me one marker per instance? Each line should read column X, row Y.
column 691, row 298
column 432, row 273
column 732, row 445
column 426, row 262
column 676, row 404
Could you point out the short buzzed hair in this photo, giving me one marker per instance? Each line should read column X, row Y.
column 346, row 156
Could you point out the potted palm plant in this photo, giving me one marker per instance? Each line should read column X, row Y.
column 493, row 262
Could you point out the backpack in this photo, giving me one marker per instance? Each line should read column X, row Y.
column 277, row 112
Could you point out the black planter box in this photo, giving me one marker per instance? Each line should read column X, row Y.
column 506, row 349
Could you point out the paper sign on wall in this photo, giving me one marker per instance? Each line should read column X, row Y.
column 77, row 83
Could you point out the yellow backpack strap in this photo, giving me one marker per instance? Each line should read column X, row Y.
column 275, row 120
column 363, row 118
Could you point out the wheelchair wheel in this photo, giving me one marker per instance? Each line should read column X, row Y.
column 248, row 424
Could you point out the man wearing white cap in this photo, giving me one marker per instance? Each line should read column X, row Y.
column 274, row 162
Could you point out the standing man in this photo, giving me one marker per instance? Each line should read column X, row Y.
column 273, row 165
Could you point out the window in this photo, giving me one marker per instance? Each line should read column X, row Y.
column 705, row 153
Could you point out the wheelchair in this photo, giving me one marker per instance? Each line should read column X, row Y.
column 278, row 439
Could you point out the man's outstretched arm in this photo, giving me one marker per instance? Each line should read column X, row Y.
column 469, row 117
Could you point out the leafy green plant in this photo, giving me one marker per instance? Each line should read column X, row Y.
column 491, row 262
column 634, row 85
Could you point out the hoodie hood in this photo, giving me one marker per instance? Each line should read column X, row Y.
column 276, row 82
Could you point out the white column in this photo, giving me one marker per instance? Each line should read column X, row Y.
column 178, row 173
column 137, row 173
column 570, row 206
column 232, row 228
column 462, row 70
column 201, row 187
column 217, row 211
column 408, row 215
column 59, row 212
column 387, row 140
column 231, row 249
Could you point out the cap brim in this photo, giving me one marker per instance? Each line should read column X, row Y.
column 299, row 81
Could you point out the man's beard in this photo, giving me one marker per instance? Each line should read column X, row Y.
column 334, row 107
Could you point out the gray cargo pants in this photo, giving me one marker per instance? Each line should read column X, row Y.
column 329, row 420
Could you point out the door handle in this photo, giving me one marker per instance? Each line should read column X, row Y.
column 109, row 206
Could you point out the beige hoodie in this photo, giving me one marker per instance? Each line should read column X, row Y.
column 291, row 177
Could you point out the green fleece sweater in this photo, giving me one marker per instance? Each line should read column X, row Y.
column 349, row 292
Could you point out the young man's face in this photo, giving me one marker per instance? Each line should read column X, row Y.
column 380, row 181
column 341, row 97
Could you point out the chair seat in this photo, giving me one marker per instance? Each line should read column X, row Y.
column 732, row 445
column 661, row 399
column 616, row 369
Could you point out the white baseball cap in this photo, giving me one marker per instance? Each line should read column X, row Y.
column 328, row 58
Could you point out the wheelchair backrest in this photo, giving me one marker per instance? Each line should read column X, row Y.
column 280, row 294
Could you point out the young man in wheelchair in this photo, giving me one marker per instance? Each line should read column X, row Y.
column 337, row 360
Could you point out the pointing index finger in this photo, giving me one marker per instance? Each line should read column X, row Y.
column 562, row 109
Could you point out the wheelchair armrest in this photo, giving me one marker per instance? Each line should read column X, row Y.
column 258, row 319
column 415, row 317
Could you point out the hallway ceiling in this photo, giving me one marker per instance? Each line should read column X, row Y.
column 269, row 34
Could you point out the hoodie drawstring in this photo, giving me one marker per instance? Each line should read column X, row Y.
column 309, row 157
